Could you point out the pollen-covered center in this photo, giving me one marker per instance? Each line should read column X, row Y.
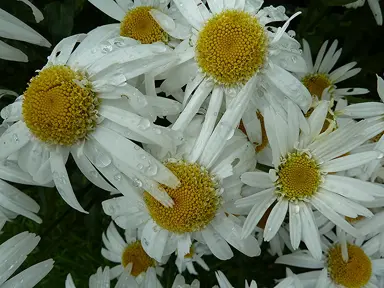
column 231, row 47
column 298, row 177
column 59, row 106
column 354, row 273
column 316, row 83
column 196, row 200
column 140, row 25
column 135, row 254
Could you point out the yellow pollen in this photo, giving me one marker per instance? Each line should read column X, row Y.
column 56, row 109
column 298, row 177
column 190, row 254
column 316, row 83
column 377, row 137
column 232, row 47
column 196, row 201
column 352, row 274
column 140, row 25
column 264, row 138
column 354, row 220
column 135, row 254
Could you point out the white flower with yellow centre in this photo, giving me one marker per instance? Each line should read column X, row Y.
column 128, row 251
column 319, row 79
column 209, row 177
column 344, row 263
column 374, row 5
column 305, row 162
column 81, row 104
column 232, row 52
column 139, row 19
column 13, row 28
column 13, row 253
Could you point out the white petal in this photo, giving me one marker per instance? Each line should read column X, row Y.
column 191, row 12
column 216, row 6
column 10, row 53
column 153, row 240
column 63, row 50
column 14, row 138
column 32, row 275
column 300, row 259
column 334, row 217
column 257, row 179
column 349, row 161
column 184, row 244
column 364, row 110
column 340, row 72
column 311, row 236
column 328, row 58
column 208, row 125
column 376, row 10
column 217, row 244
column 320, row 56
column 380, row 87
column 275, row 219
column 110, row 8
column 256, row 213
column 62, row 183
column 193, row 105
column 176, row 30
column 294, row 225
column 36, row 12
column 317, row 118
column 307, row 55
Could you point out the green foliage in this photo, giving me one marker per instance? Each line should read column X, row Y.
column 73, row 239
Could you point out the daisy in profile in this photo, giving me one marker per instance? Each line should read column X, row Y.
column 101, row 279
column 375, row 8
column 303, row 176
column 13, row 28
column 13, row 253
column 232, row 52
column 81, row 104
column 208, row 167
column 195, row 255
column 344, row 264
column 139, row 20
column 128, row 251
column 321, row 79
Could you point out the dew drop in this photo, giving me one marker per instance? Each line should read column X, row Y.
column 117, row 177
column 144, row 124
column 15, row 138
column 137, row 182
column 140, row 166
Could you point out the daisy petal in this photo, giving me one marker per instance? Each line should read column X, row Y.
column 153, row 240
column 294, row 225
column 275, row 219
column 376, row 10
column 257, row 179
column 339, row 72
column 349, row 161
column 311, row 236
column 380, row 87
column 110, row 8
column 10, row 53
column 216, row 243
column 190, row 11
column 300, row 259
column 61, row 179
column 320, row 56
column 16, row 137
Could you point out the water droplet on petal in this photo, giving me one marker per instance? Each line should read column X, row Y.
column 15, row 138
column 117, row 177
column 144, row 124
column 140, row 166
column 137, row 182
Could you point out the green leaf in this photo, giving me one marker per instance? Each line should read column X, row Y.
column 59, row 18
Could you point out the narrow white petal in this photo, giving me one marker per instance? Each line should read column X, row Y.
column 380, row 87
column 153, row 240
column 307, row 55
column 349, row 161
column 216, row 243
column 257, row 179
column 275, row 219
column 364, row 110
column 14, row 138
column 110, row 8
column 311, row 236
column 320, row 56
column 328, row 58
column 300, row 259
column 339, row 72
column 10, row 53
column 191, row 12
column 36, row 12
column 376, row 10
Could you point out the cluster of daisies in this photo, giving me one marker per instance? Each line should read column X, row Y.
column 262, row 144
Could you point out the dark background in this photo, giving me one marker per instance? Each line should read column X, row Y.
column 73, row 239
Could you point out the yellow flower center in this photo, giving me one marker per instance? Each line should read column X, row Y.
column 352, row 274
column 196, row 200
column 231, row 47
column 135, row 254
column 57, row 108
column 140, row 25
column 298, row 177
column 316, row 83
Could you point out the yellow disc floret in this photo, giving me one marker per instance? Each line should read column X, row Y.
column 316, row 83
column 298, row 176
column 355, row 273
column 58, row 108
column 140, row 25
column 232, row 47
column 135, row 254
column 196, row 201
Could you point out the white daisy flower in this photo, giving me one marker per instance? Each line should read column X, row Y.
column 140, row 19
column 13, row 28
column 102, row 280
column 13, row 253
column 344, row 264
column 81, row 104
column 128, row 251
column 373, row 4
column 209, row 177
column 319, row 79
column 195, row 255
column 180, row 283
column 246, row 56
column 303, row 176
